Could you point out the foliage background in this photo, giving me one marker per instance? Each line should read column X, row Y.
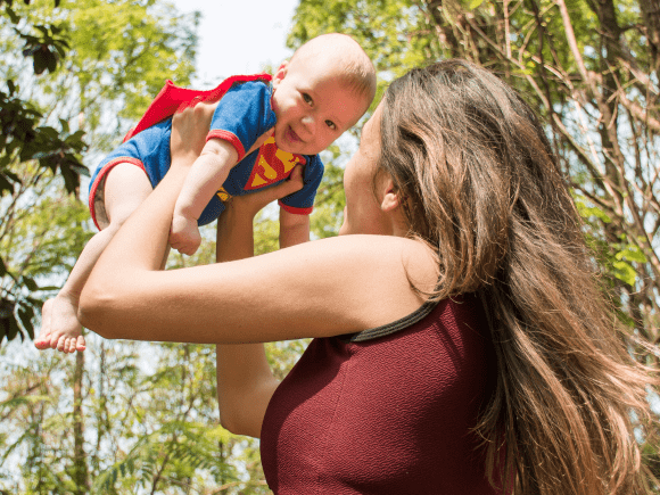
column 142, row 418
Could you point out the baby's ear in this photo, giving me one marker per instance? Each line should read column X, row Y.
column 281, row 72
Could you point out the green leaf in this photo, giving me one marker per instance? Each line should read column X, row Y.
column 12, row 15
column 631, row 253
column 30, row 284
column 624, row 272
column 592, row 211
column 25, row 399
column 12, row 327
column 26, row 313
column 5, row 185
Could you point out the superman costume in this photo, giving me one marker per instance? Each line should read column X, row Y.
column 243, row 114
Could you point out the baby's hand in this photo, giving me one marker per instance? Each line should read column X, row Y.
column 185, row 236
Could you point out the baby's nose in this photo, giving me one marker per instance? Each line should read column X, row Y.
column 309, row 123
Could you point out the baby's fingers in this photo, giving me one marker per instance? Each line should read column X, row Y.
column 184, row 247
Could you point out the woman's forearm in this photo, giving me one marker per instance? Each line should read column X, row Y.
column 244, row 378
column 141, row 244
column 129, row 254
column 294, row 229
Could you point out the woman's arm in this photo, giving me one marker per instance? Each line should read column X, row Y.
column 245, row 380
column 294, row 229
column 203, row 181
column 319, row 288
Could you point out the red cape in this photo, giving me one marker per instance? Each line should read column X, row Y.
column 172, row 97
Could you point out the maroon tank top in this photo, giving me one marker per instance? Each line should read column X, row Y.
column 386, row 411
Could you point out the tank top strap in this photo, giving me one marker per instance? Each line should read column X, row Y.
column 384, row 330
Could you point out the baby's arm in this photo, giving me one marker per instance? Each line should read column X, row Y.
column 206, row 176
column 294, row 229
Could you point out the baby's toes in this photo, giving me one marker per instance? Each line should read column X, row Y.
column 71, row 344
column 62, row 344
column 80, row 344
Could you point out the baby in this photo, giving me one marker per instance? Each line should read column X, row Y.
column 261, row 129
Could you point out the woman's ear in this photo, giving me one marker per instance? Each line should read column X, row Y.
column 391, row 197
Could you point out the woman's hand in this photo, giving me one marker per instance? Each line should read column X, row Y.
column 250, row 204
column 190, row 127
column 235, row 226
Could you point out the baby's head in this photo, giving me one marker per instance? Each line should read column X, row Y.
column 323, row 90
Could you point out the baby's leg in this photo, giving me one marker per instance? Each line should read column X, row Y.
column 126, row 186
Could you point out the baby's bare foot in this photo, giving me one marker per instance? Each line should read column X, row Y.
column 60, row 328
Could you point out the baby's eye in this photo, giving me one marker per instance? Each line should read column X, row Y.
column 307, row 98
column 331, row 125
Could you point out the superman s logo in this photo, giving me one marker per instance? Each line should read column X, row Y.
column 272, row 165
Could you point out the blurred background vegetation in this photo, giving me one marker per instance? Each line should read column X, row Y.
column 126, row 418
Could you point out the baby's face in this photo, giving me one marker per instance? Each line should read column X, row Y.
column 313, row 107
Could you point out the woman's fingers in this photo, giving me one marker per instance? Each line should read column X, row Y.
column 190, row 126
column 255, row 201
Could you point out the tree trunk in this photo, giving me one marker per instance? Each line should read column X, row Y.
column 80, row 472
column 650, row 10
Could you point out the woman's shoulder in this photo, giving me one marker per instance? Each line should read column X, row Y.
column 411, row 257
column 388, row 267
column 385, row 248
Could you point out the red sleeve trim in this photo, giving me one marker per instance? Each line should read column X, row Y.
column 294, row 210
column 101, row 176
column 231, row 138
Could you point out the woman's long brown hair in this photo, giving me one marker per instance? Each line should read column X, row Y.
column 484, row 190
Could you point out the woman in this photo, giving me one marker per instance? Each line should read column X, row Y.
column 460, row 345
